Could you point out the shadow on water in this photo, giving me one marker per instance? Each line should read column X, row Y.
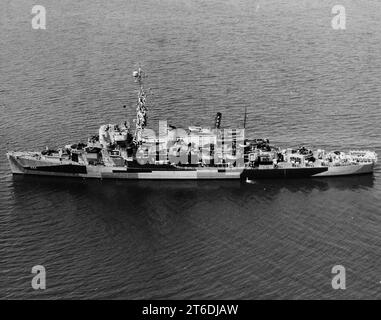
column 149, row 209
column 120, row 191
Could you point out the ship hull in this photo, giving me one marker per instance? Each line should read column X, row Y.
column 20, row 165
column 306, row 172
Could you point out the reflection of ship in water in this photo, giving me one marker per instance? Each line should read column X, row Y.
column 114, row 190
column 160, row 207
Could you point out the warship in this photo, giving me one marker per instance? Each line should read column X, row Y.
column 122, row 151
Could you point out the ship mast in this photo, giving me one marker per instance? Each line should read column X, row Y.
column 141, row 108
column 245, row 118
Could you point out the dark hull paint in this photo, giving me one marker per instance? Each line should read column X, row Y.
column 281, row 173
column 67, row 168
column 248, row 173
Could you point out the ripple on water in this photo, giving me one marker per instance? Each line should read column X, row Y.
column 175, row 239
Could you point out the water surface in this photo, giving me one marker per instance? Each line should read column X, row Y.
column 303, row 84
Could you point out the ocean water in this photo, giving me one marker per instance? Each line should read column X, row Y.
column 302, row 82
